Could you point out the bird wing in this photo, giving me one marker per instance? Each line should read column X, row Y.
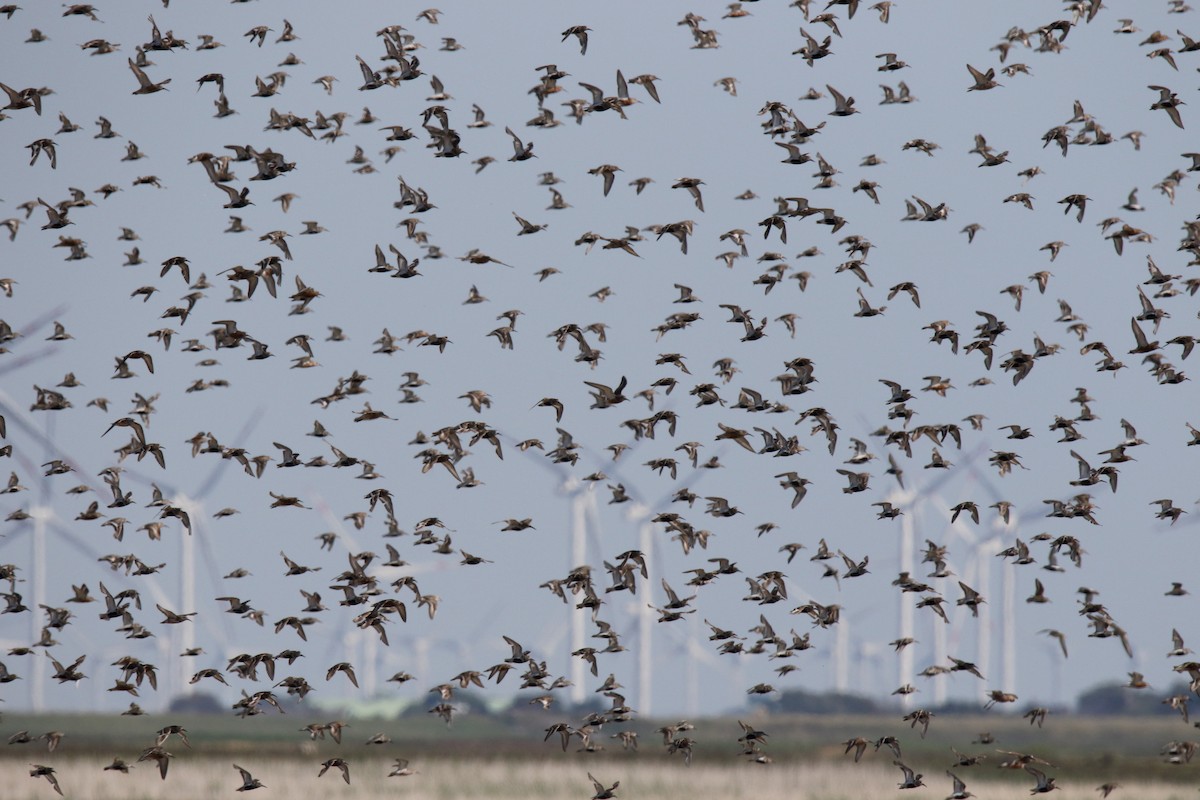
column 518, row 145
column 597, row 92
column 141, row 76
column 1138, row 334
column 369, row 75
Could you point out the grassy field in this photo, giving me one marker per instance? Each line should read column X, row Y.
column 507, row 757
column 450, row 779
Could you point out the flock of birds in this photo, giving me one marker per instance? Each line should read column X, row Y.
column 737, row 419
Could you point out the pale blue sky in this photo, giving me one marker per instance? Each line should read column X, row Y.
column 697, row 131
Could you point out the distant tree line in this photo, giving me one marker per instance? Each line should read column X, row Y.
column 1105, row 699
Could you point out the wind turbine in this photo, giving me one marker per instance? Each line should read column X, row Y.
column 184, row 636
column 45, row 519
column 978, row 564
column 583, row 519
column 916, row 505
column 584, row 525
column 1005, row 531
column 585, row 528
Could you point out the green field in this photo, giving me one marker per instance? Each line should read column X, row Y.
column 448, row 779
column 507, row 757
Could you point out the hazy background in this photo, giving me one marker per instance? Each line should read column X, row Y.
column 697, row 131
